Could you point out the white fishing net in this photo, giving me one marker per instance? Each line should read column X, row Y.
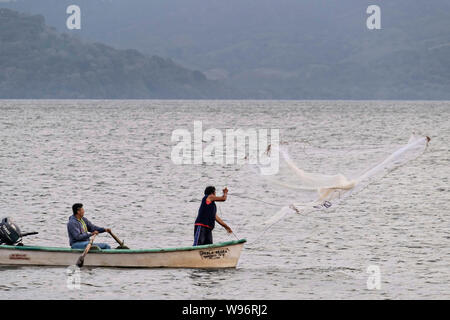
column 319, row 191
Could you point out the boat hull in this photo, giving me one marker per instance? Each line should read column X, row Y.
column 221, row 255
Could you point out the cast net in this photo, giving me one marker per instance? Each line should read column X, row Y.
column 317, row 191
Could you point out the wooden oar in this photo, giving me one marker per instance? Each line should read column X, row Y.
column 121, row 246
column 80, row 260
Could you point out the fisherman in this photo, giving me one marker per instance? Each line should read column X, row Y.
column 81, row 229
column 204, row 224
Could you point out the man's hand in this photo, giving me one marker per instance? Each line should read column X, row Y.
column 225, row 190
column 228, row 229
column 95, row 232
column 108, row 230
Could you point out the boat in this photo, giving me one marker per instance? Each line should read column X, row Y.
column 219, row 255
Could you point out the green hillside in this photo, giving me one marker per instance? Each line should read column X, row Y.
column 276, row 49
column 36, row 61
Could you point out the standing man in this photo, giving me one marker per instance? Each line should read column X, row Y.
column 204, row 224
column 81, row 229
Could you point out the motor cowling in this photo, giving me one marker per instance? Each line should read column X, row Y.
column 9, row 232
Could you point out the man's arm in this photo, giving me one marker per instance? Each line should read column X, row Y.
column 219, row 199
column 92, row 228
column 223, row 224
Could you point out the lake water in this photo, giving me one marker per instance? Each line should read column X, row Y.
column 115, row 158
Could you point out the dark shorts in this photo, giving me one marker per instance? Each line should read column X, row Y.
column 202, row 235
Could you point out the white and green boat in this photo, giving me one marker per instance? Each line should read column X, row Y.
column 219, row 255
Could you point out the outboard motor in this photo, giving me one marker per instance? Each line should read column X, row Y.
column 10, row 233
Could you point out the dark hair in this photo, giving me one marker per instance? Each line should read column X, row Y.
column 209, row 190
column 75, row 207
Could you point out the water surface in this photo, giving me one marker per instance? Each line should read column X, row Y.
column 114, row 157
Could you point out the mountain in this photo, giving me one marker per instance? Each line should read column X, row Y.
column 36, row 61
column 280, row 49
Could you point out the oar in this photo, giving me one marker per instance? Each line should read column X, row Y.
column 80, row 260
column 121, row 246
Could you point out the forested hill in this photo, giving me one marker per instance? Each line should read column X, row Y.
column 36, row 61
column 262, row 49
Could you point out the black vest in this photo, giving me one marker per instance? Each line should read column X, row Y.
column 206, row 214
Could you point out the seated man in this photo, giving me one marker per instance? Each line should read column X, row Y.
column 81, row 229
